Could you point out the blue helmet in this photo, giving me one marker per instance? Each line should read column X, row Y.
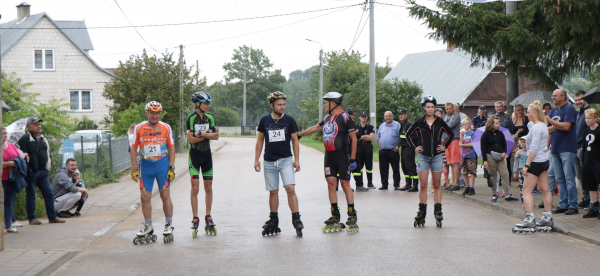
column 429, row 99
column 201, row 97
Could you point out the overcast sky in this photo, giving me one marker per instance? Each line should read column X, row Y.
column 396, row 34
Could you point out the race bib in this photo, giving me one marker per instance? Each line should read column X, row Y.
column 152, row 150
column 277, row 135
column 201, row 128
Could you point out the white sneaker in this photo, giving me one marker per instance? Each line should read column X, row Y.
column 16, row 224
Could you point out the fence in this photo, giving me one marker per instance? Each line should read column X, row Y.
column 238, row 130
column 119, row 154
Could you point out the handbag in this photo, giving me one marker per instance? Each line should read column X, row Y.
column 497, row 156
column 488, row 176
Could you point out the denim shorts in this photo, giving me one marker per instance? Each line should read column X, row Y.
column 283, row 166
column 425, row 163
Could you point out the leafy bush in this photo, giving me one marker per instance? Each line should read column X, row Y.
column 86, row 123
column 225, row 116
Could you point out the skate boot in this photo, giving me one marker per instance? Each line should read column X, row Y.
column 145, row 235
column 195, row 223
column 528, row 225
column 407, row 186
column 271, row 225
column 333, row 223
column 439, row 216
column 593, row 211
column 545, row 224
column 297, row 223
column 420, row 218
column 210, row 228
column 415, row 185
column 168, row 233
column 351, row 222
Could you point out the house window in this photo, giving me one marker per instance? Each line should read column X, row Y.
column 81, row 100
column 43, row 59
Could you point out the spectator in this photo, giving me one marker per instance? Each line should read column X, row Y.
column 493, row 152
column 440, row 113
column 38, row 167
column 79, row 183
column 479, row 120
column 453, row 155
column 462, row 115
column 520, row 160
column 517, row 127
column 547, row 107
column 388, row 136
column 504, row 122
column 409, row 167
column 469, row 157
column 563, row 150
column 9, row 152
column 66, row 194
column 591, row 158
column 580, row 128
column 461, row 179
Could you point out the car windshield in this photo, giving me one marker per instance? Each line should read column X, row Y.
column 87, row 137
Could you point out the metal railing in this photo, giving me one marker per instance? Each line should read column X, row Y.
column 119, row 154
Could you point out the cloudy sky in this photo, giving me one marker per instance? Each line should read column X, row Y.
column 283, row 39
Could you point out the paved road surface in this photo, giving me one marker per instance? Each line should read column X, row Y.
column 473, row 241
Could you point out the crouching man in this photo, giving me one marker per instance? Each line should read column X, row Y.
column 66, row 194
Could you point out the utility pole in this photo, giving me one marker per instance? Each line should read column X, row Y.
column 512, row 77
column 321, row 85
column 244, row 120
column 372, row 97
column 181, row 133
column 1, row 148
column 197, row 75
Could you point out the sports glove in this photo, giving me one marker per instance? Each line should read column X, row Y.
column 135, row 175
column 171, row 174
column 352, row 164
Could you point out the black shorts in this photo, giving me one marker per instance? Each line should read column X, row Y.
column 591, row 176
column 537, row 168
column 201, row 161
column 337, row 165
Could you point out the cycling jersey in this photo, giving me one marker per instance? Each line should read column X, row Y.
column 153, row 142
column 201, row 124
column 336, row 132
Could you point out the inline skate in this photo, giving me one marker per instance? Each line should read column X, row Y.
column 546, row 224
column 297, row 223
column 528, row 225
column 439, row 216
column 195, row 223
column 271, row 225
column 145, row 235
column 210, row 228
column 333, row 223
column 168, row 233
column 420, row 218
column 351, row 222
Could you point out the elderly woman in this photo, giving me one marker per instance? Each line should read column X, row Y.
column 9, row 152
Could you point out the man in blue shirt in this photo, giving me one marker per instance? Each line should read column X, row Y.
column 564, row 148
column 388, row 137
column 479, row 120
column 581, row 126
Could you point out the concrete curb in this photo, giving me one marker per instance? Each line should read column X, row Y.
column 51, row 264
column 560, row 227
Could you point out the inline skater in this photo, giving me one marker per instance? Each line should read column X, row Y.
column 280, row 130
column 428, row 130
column 157, row 149
column 201, row 129
column 339, row 138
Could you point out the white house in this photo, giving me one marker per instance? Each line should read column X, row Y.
column 54, row 57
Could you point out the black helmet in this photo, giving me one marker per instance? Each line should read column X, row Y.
column 429, row 99
column 350, row 111
column 201, row 97
column 275, row 96
column 334, row 97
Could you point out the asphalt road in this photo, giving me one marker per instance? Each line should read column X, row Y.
column 473, row 240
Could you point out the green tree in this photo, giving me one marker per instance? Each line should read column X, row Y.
column 144, row 78
column 225, row 116
column 135, row 114
column 595, row 77
column 85, row 123
column 13, row 90
column 542, row 37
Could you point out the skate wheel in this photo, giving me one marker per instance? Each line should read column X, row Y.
column 148, row 239
column 165, row 239
column 194, row 233
column 438, row 223
column 299, row 232
column 154, row 238
column 514, row 230
column 264, row 233
column 215, row 231
column 136, row 240
column 324, row 228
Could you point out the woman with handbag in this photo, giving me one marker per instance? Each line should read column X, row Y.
column 9, row 151
column 493, row 153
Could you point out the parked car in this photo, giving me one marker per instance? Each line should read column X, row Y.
column 89, row 140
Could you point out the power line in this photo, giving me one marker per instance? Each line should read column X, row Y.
column 388, row 4
column 133, row 27
column 199, row 22
column 352, row 45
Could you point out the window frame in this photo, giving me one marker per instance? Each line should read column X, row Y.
column 80, row 101
column 44, row 59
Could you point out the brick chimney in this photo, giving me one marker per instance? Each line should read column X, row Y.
column 449, row 47
column 22, row 11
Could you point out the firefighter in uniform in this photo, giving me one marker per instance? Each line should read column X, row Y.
column 407, row 155
column 365, row 134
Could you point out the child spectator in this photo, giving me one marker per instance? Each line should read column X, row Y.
column 79, row 183
column 520, row 159
column 469, row 158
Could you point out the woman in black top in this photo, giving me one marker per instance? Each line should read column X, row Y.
column 493, row 153
column 517, row 128
column 590, row 155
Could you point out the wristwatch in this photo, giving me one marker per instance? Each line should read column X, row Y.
column 526, row 166
column 172, row 167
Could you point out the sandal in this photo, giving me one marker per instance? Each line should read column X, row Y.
column 12, row 230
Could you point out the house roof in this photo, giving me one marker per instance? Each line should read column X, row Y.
column 11, row 33
column 448, row 76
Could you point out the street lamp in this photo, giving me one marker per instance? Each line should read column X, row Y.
column 320, row 80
